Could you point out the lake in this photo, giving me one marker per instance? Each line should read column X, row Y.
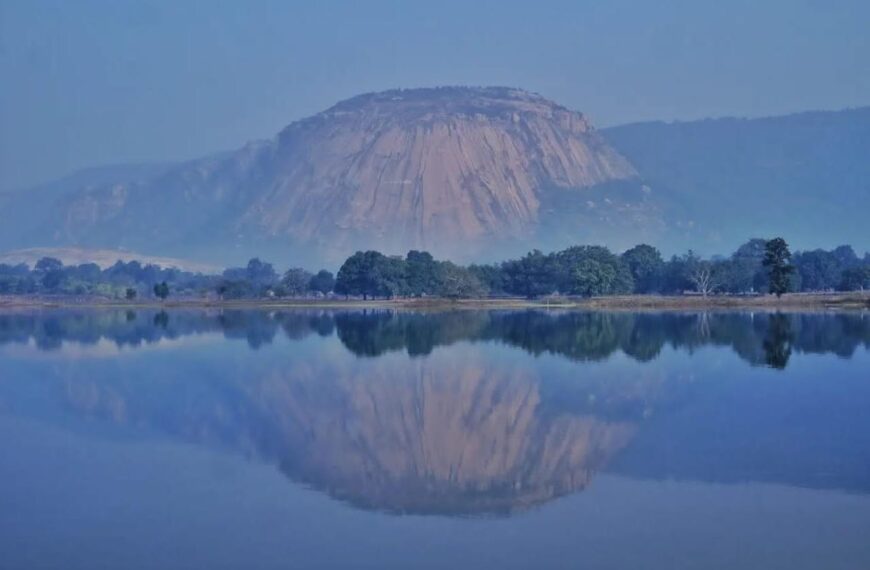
column 458, row 439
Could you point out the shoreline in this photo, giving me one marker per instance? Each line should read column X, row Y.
column 794, row 301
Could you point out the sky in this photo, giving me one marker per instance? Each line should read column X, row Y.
column 92, row 82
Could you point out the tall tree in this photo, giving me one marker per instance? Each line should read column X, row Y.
column 777, row 260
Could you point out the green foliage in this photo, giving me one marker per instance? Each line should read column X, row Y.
column 371, row 274
column 577, row 270
column 455, row 282
column 777, row 260
column 646, row 266
column 422, row 273
column 531, row 276
column 821, row 270
column 323, row 282
column 490, row 276
column 855, row 278
column 592, row 270
column 591, row 277
column 235, row 289
column 260, row 272
column 295, row 281
column 743, row 272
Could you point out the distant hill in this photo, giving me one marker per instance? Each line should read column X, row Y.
column 804, row 176
column 463, row 172
column 469, row 174
column 102, row 257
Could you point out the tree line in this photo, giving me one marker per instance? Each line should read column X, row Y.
column 756, row 267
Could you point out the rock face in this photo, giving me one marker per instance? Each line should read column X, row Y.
column 453, row 170
column 420, row 167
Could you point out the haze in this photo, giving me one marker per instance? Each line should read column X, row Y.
column 97, row 82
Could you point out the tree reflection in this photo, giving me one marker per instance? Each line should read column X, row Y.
column 759, row 339
column 778, row 340
column 452, row 427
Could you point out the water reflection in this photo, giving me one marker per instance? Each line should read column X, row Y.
column 388, row 422
column 760, row 339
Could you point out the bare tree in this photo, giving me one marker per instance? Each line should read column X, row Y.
column 703, row 277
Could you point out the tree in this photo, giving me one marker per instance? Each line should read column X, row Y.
column 675, row 274
column 591, row 277
column 388, row 277
column 50, row 272
column 777, row 260
column 490, row 276
column 234, row 289
column 703, row 276
column 130, row 294
column 260, row 273
column 531, row 276
column 819, row 270
column 47, row 264
column 89, row 272
column 295, row 281
column 161, row 290
column 457, row 282
column 855, row 278
column 351, row 275
column 52, row 279
column 618, row 279
column 646, row 266
column 371, row 273
column 322, row 282
column 743, row 272
column 421, row 273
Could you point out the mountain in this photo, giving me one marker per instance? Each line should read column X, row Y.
column 469, row 174
column 804, row 176
column 462, row 172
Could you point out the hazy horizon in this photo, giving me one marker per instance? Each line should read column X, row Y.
column 100, row 83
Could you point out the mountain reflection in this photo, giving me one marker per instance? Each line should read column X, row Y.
column 454, row 433
column 766, row 339
column 392, row 424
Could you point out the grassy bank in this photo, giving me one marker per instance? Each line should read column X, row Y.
column 797, row 301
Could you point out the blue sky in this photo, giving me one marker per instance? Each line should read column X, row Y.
column 90, row 82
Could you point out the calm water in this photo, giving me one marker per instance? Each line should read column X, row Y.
column 189, row 439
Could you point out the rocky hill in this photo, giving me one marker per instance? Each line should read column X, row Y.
column 458, row 171
column 469, row 174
